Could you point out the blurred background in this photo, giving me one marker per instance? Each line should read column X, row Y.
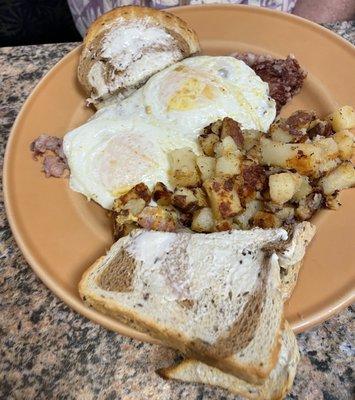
column 24, row 22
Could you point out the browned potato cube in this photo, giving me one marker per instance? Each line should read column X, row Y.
column 206, row 166
column 304, row 189
column 207, row 142
column 279, row 133
column 342, row 177
column 227, row 147
column 329, row 147
column 330, row 153
column 215, row 127
column 183, row 168
column 305, row 158
column 203, row 220
column 254, row 154
column 251, row 138
column 133, row 199
column 224, row 225
column 201, row 197
column 157, row 219
column 232, row 128
column 184, row 199
column 134, row 206
column 254, row 176
column 223, row 197
column 283, row 186
column 345, row 142
column 228, row 165
column 343, row 118
column 294, row 128
column 266, row 220
column 162, row 195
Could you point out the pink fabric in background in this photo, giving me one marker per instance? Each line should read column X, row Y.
column 86, row 11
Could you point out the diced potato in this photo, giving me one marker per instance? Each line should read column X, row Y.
column 231, row 128
column 134, row 206
column 157, row 219
column 328, row 165
column 201, row 197
column 223, row 197
column 251, row 138
column 304, row 189
column 183, row 168
column 133, row 199
column 184, row 199
column 285, row 213
column 224, row 225
column 203, row 220
column 161, row 194
column 229, row 147
column 308, row 206
column 283, row 186
column 330, row 154
column 328, row 146
column 266, row 220
column 342, row 177
column 343, row 118
column 207, row 142
column 228, row 165
column 206, row 166
column 254, row 154
column 345, row 142
column 303, row 157
column 215, row 127
column 278, row 134
column 251, row 208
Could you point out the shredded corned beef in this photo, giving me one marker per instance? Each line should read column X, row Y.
column 285, row 77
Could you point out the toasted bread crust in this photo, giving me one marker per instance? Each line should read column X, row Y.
column 192, row 349
column 164, row 19
column 268, row 390
column 185, row 40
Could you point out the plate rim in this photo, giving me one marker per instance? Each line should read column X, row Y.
column 76, row 304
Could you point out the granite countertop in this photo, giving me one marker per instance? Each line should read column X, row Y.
column 50, row 352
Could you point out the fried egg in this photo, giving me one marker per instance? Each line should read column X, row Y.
column 129, row 142
column 107, row 156
column 199, row 90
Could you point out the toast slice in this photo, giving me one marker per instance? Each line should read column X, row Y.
column 275, row 387
column 214, row 297
column 123, row 48
column 291, row 256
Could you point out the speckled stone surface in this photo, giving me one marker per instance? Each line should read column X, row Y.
column 49, row 352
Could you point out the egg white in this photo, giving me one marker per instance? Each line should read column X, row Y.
column 107, row 156
column 199, row 90
column 128, row 143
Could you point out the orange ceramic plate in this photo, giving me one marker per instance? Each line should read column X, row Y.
column 61, row 234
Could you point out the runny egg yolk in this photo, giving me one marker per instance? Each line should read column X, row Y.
column 186, row 98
